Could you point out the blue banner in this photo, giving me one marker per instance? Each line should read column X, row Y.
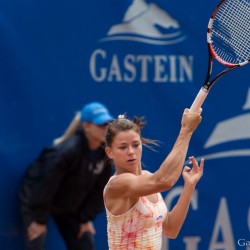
column 139, row 57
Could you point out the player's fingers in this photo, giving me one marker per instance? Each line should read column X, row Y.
column 202, row 164
column 186, row 110
column 194, row 163
column 186, row 169
column 192, row 160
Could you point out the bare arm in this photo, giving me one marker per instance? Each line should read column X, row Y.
column 129, row 185
column 175, row 219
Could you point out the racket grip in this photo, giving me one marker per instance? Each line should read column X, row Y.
column 200, row 98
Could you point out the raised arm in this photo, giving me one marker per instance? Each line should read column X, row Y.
column 176, row 217
column 129, row 185
column 171, row 168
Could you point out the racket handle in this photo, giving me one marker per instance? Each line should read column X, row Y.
column 200, row 98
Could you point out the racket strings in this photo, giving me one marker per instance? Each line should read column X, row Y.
column 230, row 34
column 238, row 38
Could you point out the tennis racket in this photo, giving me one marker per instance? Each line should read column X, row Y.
column 228, row 40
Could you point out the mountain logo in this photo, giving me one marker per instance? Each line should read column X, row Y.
column 146, row 23
column 233, row 129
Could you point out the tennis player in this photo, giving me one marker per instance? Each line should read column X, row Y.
column 136, row 213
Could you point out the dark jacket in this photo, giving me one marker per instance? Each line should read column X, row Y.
column 67, row 178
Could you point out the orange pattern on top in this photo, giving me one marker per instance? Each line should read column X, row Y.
column 140, row 228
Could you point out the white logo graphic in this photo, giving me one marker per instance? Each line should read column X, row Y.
column 233, row 129
column 146, row 23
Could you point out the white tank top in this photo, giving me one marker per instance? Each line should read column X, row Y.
column 140, row 228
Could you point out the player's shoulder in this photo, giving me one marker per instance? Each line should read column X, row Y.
column 146, row 172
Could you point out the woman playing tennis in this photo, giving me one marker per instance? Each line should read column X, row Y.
column 136, row 213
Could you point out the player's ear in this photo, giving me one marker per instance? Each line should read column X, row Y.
column 109, row 152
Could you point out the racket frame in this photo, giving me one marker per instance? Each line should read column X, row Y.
column 207, row 85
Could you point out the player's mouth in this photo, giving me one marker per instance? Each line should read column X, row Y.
column 131, row 160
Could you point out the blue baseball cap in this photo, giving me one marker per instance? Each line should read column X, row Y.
column 95, row 112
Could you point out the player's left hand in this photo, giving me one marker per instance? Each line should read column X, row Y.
column 192, row 175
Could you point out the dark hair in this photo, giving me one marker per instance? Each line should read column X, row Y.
column 124, row 124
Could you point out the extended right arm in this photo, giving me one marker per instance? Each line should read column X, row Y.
column 171, row 168
column 166, row 176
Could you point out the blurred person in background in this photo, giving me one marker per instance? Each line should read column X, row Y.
column 66, row 182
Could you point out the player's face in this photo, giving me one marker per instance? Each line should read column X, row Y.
column 126, row 151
